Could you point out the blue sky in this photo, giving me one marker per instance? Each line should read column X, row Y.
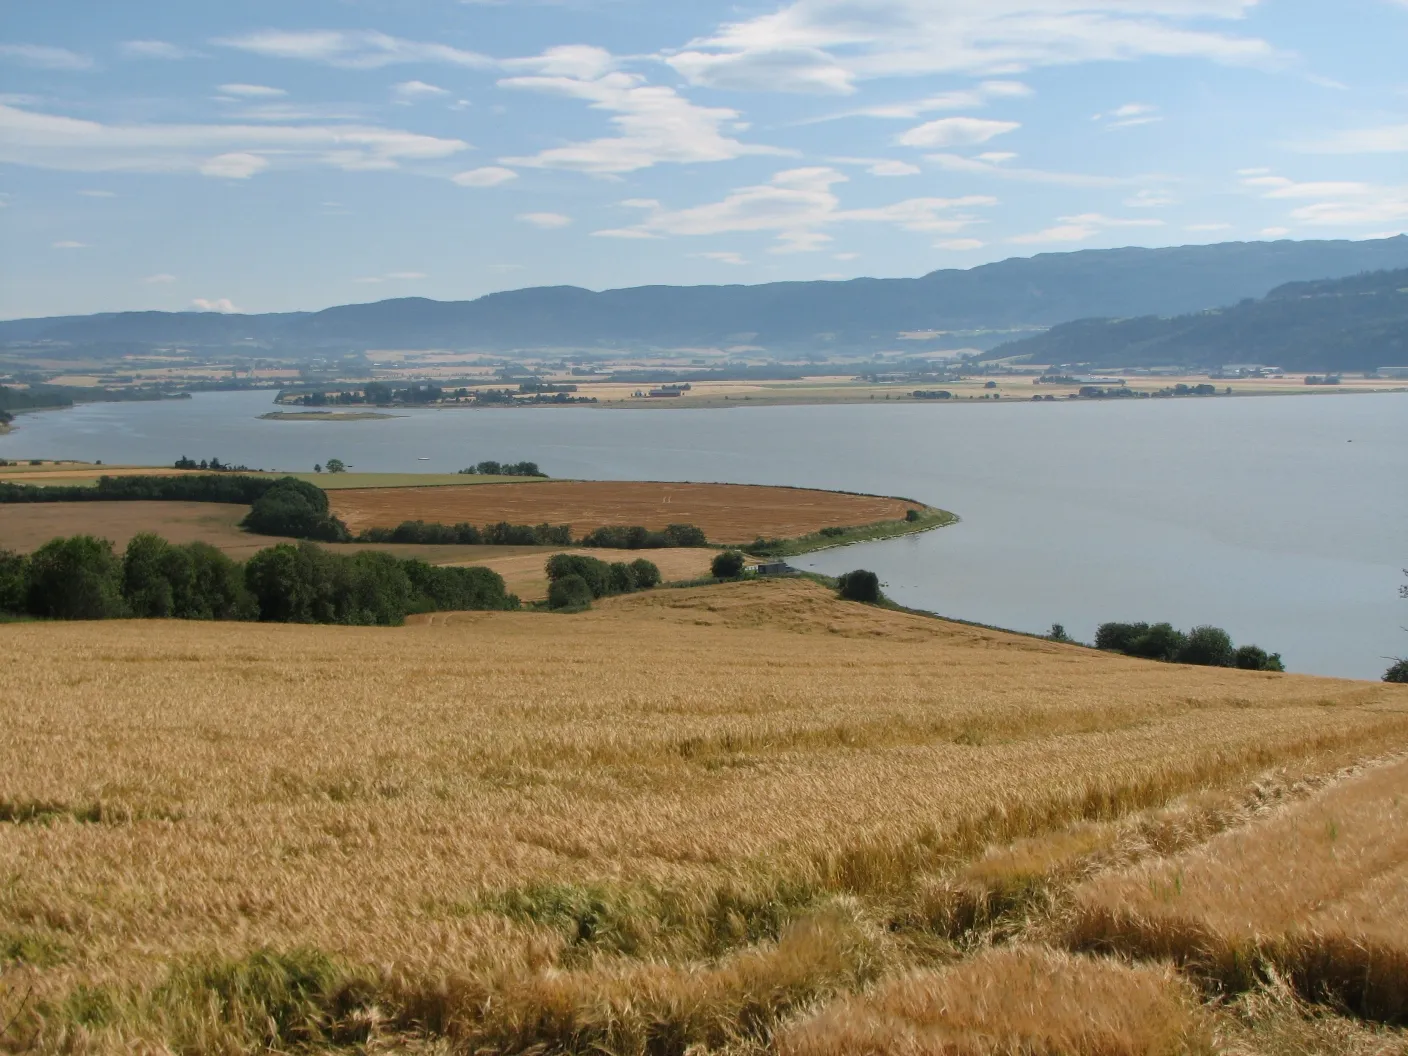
column 269, row 156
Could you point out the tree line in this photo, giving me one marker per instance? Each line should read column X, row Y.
column 489, row 468
column 1206, row 646
column 82, row 578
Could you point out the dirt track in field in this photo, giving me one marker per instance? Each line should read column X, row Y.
column 728, row 513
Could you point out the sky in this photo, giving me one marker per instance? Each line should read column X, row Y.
column 276, row 156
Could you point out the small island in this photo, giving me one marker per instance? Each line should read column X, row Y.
column 326, row 416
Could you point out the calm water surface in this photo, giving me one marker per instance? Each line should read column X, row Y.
column 1282, row 519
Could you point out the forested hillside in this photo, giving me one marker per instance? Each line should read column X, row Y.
column 1353, row 324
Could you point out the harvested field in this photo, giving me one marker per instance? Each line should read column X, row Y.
column 684, row 820
column 728, row 513
column 1321, row 891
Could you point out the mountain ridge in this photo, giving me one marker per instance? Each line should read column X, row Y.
column 862, row 314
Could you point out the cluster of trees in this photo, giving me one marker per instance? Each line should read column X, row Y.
column 727, row 565
column 82, row 578
column 501, row 534
column 1206, row 646
column 576, row 580
column 615, row 537
column 212, row 465
column 860, row 585
column 504, row 469
column 295, row 508
column 6, row 417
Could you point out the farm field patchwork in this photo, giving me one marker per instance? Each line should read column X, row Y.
column 728, row 513
column 693, row 817
column 24, row 527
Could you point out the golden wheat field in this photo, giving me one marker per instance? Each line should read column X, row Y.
column 728, row 513
column 740, row 818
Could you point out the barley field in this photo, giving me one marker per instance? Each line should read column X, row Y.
column 728, row 513
column 739, row 818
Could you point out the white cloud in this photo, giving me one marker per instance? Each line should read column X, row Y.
column 161, row 279
column 723, row 257
column 487, row 176
column 98, row 194
column 830, row 45
column 963, row 99
column 251, row 91
column 1383, row 205
column 960, row 244
column 991, row 165
column 1208, row 227
column 1079, row 228
column 156, row 49
column 1387, row 139
column 893, row 168
column 956, row 132
column 506, row 267
column 546, row 221
column 1275, row 232
column 236, row 166
column 795, row 205
column 409, row 91
column 1344, row 203
column 1280, row 187
column 1147, row 199
column 50, row 141
column 70, row 245
column 221, row 304
column 43, row 57
column 1129, row 115
column 358, row 50
column 655, row 124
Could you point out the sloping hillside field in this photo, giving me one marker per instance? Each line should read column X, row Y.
column 742, row 818
column 728, row 513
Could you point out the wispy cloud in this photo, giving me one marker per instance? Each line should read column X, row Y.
column 358, row 50
column 43, row 57
column 156, row 49
column 545, row 221
column 50, row 141
column 723, row 257
column 832, row 45
column 222, row 305
column 963, row 99
column 1385, row 139
column 796, row 206
column 486, row 176
column 251, row 91
column 956, row 132
column 408, row 92
column 1079, row 228
column 159, row 279
column 992, row 164
column 1129, row 115
column 655, row 124
column 68, row 244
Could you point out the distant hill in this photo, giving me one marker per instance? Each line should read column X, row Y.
column 1358, row 323
column 786, row 317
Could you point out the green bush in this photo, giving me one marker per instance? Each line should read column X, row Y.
column 1161, row 641
column 1254, row 658
column 14, row 582
column 1397, row 672
column 727, row 565
column 860, row 585
column 570, row 592
column 297, row 509
column 1206, row 646
column 79, row 578
column 647, row 573
column 620, row 578
column 594, row 573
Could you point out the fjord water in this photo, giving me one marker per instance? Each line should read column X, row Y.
column 1282, row 519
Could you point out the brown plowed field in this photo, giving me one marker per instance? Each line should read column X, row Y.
column 728, row 513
